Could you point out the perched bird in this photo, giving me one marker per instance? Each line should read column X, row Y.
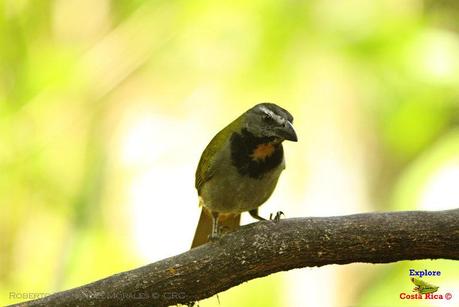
column 239, row 169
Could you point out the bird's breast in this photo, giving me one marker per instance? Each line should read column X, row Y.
column 254, row 156
column 229, row 191
column 247, row 173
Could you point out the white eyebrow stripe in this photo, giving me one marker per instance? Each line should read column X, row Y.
column 279, row 119
column 267, row 111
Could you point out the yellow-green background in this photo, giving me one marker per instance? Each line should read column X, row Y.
column 106, row 106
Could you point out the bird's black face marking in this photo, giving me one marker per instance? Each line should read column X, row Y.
column 242, row 148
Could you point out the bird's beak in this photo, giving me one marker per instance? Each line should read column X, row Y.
column 287, row 132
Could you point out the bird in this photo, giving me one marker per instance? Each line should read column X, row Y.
column 239, row 169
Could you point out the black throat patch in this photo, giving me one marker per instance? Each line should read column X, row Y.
column 243, row 146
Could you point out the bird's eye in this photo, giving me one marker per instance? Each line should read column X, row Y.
column 267, row 117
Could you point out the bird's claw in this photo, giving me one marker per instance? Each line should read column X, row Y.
column 214, row 237
column 276, row 218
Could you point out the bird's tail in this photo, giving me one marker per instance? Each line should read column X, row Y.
column 227, row 222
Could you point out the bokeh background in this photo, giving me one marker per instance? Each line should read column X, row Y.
column 106, row 106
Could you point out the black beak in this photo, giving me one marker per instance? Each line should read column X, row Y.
column 287, row 132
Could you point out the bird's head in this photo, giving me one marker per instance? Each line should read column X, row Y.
column 269, row 120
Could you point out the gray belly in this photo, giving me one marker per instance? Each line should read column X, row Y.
column 229, row 192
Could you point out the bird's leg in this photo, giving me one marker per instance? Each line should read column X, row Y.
column 254, row 214
column 215, row 234
column 272, row 217
column 276, row 217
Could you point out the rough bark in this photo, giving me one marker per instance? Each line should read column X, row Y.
column 266, row 247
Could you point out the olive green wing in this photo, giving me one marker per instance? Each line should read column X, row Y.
column 208, row 162
column 206, row 167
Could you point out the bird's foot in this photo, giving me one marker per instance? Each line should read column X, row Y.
column 276, row 217
column 213, row 238
column 216, row 234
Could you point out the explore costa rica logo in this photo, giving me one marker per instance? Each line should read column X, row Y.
column 423, row 289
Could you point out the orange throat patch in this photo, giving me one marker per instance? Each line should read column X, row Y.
column 262, row 151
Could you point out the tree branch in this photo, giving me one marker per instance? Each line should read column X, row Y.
column 266, row 247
